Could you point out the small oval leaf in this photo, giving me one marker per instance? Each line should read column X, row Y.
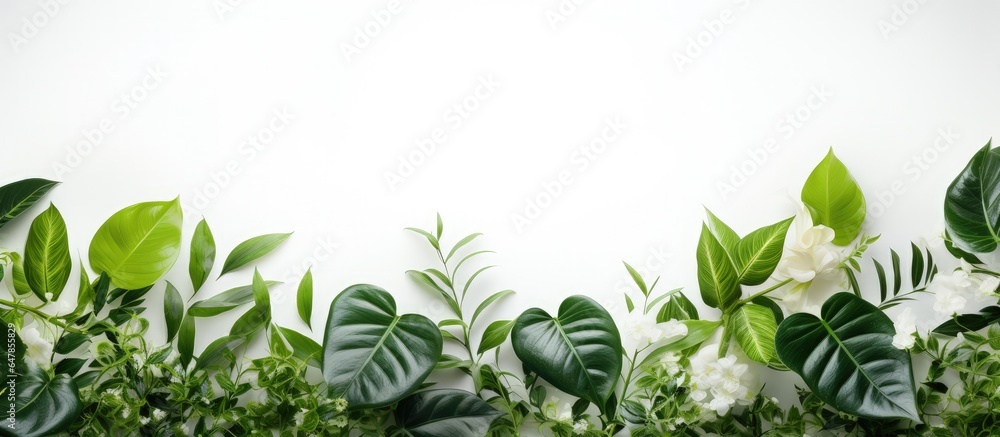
column 252, row 249
column 202, row 255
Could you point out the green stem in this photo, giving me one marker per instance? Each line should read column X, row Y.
column 39, row 314
column 768, row 290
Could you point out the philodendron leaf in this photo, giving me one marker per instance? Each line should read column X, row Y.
column 173, row 310
column 138, row 244
column 972, row 205
column 202, row 255
column 252, row 249
column 43, row 405
column 717, row 276
column 834, row 199
column 758, row 254
column 847, row 358
column 304, row 298
column 755, row 327
column 578, row 351
column 46, row 255
column 436, row 413
column 373, row 357
column 17, row 197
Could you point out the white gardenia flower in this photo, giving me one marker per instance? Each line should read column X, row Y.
column 725, row 379
column 808, row 252
column 906, row 327
column 670, row 362
column 37, row 347
column 949, row 291
column 642, row 330
column 948, row 302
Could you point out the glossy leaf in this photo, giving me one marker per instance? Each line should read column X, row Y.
column 969, row 322
column 847, row 358
column 754, row 327
column 138, row 244
column 834, row 199
column 225, row 301
column 304, row 298
column 252, row 249
column 578, row 351
column 304, row 348
column 677, row 307
column 373, row 357
column 495, row 334
column 46, row 255
column 215, row 353
column 726, row 235
column 436, row 413
column 173, row 310
column 44, row 405
column 17, row 197
column 185, row 340
column 19, row 280
column 717, row 276
column 758, row 254
column 698, row 332
column 972, row 204
column 202, row 255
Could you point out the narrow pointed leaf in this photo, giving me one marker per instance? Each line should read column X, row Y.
column 834, row 199
column 717, row 275
column 489, row 301
column 304, row 298
column 138, row 244
column 173, row 310
column 202, row 255
column 468, row 239
column 225, row 301
column 758, row 254
column 251, row 250
column 185, row 340
column 17, row 197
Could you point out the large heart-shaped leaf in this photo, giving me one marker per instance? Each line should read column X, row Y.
column 834, row 199
column 578, row 351
column 17, row 197
column 754, row 326
column 847, row 358
column 138, row 244
column 43, row 405
column 972, row 205
column 758, row 254
column 46, row 255
column 717, row 275
column 437, row 413
column 373, row 357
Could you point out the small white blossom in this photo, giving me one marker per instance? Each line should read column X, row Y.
column 126, row 412
column 670, row 362
column 725, row 379
column 906, row 327
column 159, row 414
column 580, row 427
column 988, row 288
column 37, row 347
column 300, row 417
column 641, row 330
column 144, row 421
column 551, row 410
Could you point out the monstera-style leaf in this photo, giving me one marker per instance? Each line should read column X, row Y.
column 17, row 197
column 755, row 326
column 972, row 205
column 717, row 276
column 438, row 413
column 834, row 199
column 758, row 254
column 46, row 255
column 373, row 357
column 43, row 405
column 138, row 244
column 847, row 358
column 578, row 351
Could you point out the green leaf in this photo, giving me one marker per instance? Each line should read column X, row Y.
column 185, row 340
column 494, row 336
column 440, row 226
column 373, row 357
column 678, row 307
column 261, row 297
column 251, row 322
column 202, row 255
column 225, row 301
column 303, row 348
column 969, row 322
column 717, row 275
column 17, row 197
column 304, row 298
column 430, row 238
column 754, row 326
column 43, row 405
column 217, row 351
column 252, row 249
column 19, row 280
column 637, row 278
column 722, row 232
column 698, row 332
column 758, row 254
column 578, row 352
column 436, row 413
column 834, row 199
column 46, row 255
column 461, row 243
column 138, row 244
column 847, row 359
column 489, row 301
column 173, row 310
column 972, row 204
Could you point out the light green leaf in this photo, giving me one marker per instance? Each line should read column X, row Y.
column 17, row 197
column 225, row 301
column 489, row 301
column 18, row 280
column 202, row 255
column 754, row 326
column 46, row 255
column 373, row 357
column 972, row 205
column 726, row 235
column 252, row 249
column 834, row 199
column 304, row 298
column 847, row 359
column 677, row 307
column 138, row 244
column 496, row 333
column 758, row 254
column 717, row 276
column 468, row 239
column 637, row 278
column 173, row 310
column 261, row 297
column 578, row 352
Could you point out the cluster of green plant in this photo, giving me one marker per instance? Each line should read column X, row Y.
column 92, row 369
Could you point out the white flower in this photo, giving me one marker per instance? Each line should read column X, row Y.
column 580, row 427
column 300, row 417
column 37, row 347
column 906, row 327
column 144, row 421
column 949, row 290
column 725, row 379
column 183, row 428
column 808, row 251
column 159, row 414
column 948, row 302
column 551, row 410
column 988, row 288
column 670, row 362
column 126, row 412
column 642, row 330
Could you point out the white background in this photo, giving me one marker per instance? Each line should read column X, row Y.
column 895, row 74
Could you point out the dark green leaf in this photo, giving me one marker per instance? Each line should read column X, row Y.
column 437, row 413
column 216, row 352
column 202, row 255
column 303, row 348
column 173, row 310
column 185, row 340
column 17, row 197
column 252, row 249
column 44, row 405
column 372, row 356
column 678, row 307
column 225, row 301
column 970, row 322
column 972, row 204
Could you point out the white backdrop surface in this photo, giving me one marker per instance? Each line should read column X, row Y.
column 575, row 135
